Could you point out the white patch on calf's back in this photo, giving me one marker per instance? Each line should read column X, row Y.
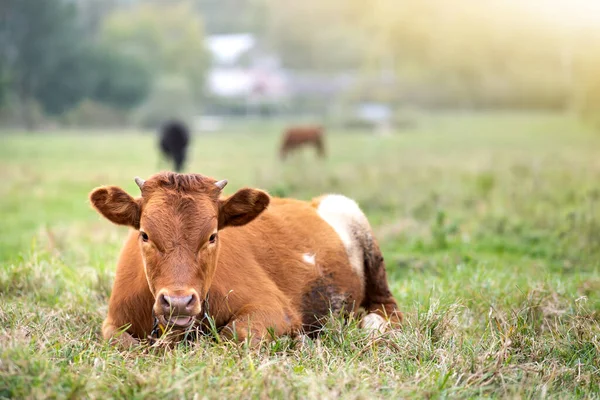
column 309, row 258
column 351, row 225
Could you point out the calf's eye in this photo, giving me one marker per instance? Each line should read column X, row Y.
column 144, row 236
column 212, row 238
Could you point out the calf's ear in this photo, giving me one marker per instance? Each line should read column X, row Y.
column 242, row 207
column 117, row 206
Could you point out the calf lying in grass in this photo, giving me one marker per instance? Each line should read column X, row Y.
column 196, row 260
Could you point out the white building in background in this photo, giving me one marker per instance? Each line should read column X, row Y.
column 227, row 49
column 241, row 70
column 244, row 74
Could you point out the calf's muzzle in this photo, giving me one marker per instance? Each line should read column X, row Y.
column 178, row 310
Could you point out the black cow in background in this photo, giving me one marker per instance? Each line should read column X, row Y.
column 174, row 141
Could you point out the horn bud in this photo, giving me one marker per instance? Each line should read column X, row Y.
column 139, row 181
column 221, row 184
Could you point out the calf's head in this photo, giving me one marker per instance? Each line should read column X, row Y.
column 179, row 217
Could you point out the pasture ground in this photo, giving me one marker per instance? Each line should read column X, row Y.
column 490, row 226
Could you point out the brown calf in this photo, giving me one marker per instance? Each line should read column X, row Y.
column 249, row 267
column 298, row 136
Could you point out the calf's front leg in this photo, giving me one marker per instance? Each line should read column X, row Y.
column 253, row 322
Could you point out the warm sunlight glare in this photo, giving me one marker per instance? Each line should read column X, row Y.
column 574, row 13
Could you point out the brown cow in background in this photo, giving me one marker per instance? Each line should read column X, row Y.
column 244, row 264
column 297, row 136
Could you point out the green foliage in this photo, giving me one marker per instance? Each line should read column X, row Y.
column 40, row 50
column 97, row 73
column 167, row 38
column 46, row 58
column 89, row 113
column 171, row 97
column 315, row 34
column 11, row 113
column 227, row 16
column 4, row 84
column 66, row 83
column 120, row 81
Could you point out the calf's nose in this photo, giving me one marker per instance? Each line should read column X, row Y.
column 177, row 305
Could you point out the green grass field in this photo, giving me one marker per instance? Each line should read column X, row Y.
column 490, row 226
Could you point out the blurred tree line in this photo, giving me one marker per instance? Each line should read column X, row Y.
column 146, row 60
column 96, row 59
column 48, row 60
